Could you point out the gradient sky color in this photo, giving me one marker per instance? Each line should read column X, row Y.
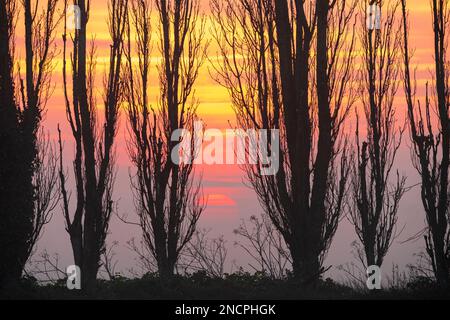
column 229, row 199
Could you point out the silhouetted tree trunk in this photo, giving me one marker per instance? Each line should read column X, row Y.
column 12, row 209
column 431, row 141
column 375, row 201
column 169, row 201
column 94, row 157
column 27, row 183
column 276, row 82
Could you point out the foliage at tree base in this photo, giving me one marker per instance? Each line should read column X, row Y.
column 235, row 286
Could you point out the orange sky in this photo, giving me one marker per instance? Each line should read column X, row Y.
column 229, row 199
column 215, row 106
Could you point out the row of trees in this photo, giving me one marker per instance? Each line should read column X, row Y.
column 287, row 65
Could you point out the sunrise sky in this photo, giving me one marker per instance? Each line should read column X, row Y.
column 229, row 199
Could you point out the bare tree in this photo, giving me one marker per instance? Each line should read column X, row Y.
column 46, row 268
column 94, row 153
column 287, row 65
column 45, row 182
column 168, row 199
column 204, row 254
column 375, row 200
column 265, row 245
column 145, row 261
column 430, row 138
column 109, row 261
column 27, row 180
